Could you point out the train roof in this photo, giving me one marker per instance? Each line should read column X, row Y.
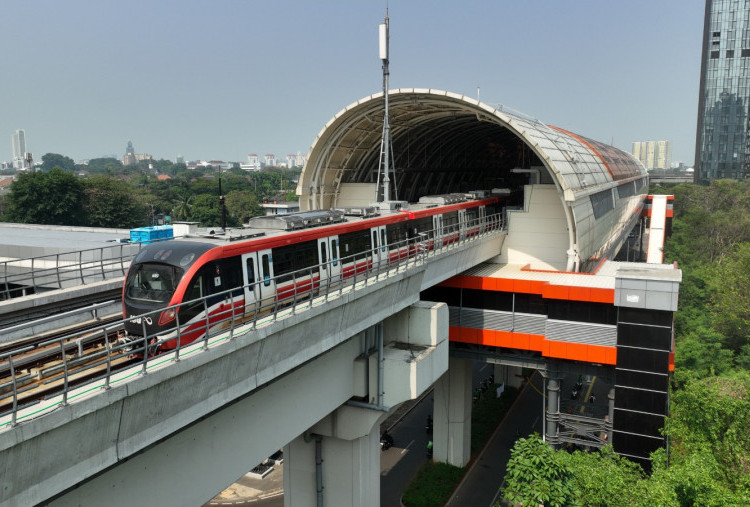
column 272, row 226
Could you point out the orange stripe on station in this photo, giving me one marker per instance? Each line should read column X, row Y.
column 545, row 289
column 537, row 343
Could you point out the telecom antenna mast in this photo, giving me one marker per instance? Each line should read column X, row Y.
column 386, row 138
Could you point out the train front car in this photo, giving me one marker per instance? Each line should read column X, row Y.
column 154, row 276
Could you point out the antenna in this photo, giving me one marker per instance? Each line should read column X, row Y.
column 385, row 140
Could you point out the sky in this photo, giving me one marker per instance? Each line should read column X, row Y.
column 219, row 79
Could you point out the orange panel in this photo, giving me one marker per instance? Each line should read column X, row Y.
column 611, row 355
column 504, row 339
column 523, row 286
column 537, row 286
column 486, row 337
column 504, row 285
column 557, row 349
column 580, row 293
column 577, row 351
column 602, row 295
column 536, row 342
column 556, row 292
column 545, row 347
column 488, row 283
column 596, row 354
column 520, row 341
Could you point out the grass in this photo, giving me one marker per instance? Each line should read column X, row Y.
column 435, row 482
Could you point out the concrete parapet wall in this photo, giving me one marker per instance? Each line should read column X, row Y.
column 106, row 433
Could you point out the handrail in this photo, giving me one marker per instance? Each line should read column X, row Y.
column 58, row 270
column 355, row 272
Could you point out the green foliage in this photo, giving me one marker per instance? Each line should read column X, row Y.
column 537, row 475
column 242, row 204
column 710, row 420
column 601, row 477
column 112, row 203
column 433, row 485
column 55, row 197
column 52, row 160
column 105, row 165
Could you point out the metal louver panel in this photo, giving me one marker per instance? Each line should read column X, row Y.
column 582, row 332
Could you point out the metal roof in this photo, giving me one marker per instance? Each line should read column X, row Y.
column 445, row 142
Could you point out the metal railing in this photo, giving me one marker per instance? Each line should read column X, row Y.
column 66, row 269
column 79, row 371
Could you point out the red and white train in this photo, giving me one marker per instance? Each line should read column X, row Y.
column 199, row 282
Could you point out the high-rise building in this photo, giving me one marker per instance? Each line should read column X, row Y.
column 129, row 157
column 19, row 149
column 721, row 142
column 269, row 159
column 653, row 154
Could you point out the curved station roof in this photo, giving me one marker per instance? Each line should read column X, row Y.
column 444, row 142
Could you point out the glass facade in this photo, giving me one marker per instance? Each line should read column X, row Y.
column 721, row 146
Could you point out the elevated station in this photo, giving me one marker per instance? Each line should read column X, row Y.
column 541, row 293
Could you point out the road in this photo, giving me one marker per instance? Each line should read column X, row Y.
column 482, row 483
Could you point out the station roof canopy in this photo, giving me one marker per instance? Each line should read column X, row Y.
column 444, row 142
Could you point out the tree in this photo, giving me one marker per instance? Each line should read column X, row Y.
column 601, row 477
column 242, row 204
column 104, row 165
column 55, row 198
column 52, row 160
column 184, row 206
column 112, row 203
column 536, row 475
column 731, row 304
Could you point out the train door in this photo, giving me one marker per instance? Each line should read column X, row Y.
column 482, row 218
column 379, row 245
column 250, row 275
column 328, row 253
column 266, row 286
column 437, row 232
column 462, row 224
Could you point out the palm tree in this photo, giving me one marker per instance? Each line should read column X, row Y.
column 182, row 210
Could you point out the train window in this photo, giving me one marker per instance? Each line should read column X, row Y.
column 250, row 271
column 231, row 273
column 306, row 255
column 374, row 240
column 152, row 282
column 383, row 241
column 196, row 288
column 266, row 270
column 334, row 251
column 323, row 255
column 397, row 232
column 283, row 263
column 422, row 225
column 355, row 242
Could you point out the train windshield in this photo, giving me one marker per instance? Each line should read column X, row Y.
column 152, row 282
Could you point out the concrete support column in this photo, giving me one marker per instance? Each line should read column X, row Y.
column 553, row 414
column 501, row 374
column 452, row 418
column 348, row 472
column 515, row 376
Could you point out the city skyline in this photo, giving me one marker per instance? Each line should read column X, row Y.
column 212, row 81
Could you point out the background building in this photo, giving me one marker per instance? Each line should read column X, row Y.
column 653, row 154
column 129, row 157
column 19, row 149
column 721, row 143
column 269, row 160
column 253, row 163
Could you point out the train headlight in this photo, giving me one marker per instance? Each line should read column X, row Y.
column 167, row 316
